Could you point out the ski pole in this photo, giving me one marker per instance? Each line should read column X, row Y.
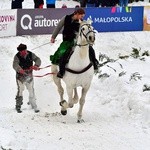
column 40, row 45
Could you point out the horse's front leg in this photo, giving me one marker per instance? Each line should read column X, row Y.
column 66, row 104
column 81, row 104
column 61, row 94
column 70, row 102
column 76, row 97
column 70, row 97
column 60, row 89
column 57, row 81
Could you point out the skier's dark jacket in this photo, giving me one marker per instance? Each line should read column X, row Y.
column 25, row 63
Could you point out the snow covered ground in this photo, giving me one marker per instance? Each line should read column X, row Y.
column 116, row 111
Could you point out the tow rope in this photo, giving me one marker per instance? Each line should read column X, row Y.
column 40, row 69
column 39, row 76
column 43, row 75
column 45, row 67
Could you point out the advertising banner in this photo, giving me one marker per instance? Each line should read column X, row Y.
column 146, row 18
column 8, row 21
column 113, row 19
column 39, row 21
column 108, row 19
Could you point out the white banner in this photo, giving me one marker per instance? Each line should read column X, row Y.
column 8, row 22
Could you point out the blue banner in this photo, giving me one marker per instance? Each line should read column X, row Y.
column 112, row 19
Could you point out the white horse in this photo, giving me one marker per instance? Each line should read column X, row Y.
column 79, row 71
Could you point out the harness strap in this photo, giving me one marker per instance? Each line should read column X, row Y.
column 82, row 45
column 79, row 72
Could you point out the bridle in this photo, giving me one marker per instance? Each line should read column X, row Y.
column 85, row 35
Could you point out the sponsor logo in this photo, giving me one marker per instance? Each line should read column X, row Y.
column 90, row 18
column 26, row 26
column 3, row 27
column 120, row 9
column 113, row 19
column 110, row 19
column 7, row 18
column 41, row 21
column 38, row 22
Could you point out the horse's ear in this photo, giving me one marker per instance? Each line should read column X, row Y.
column 80, row 21
column 89, row 21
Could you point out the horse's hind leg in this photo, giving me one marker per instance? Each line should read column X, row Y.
column 81, row 104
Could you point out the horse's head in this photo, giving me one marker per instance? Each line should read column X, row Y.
column 86, row 32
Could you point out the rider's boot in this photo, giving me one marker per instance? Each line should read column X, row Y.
column 93, row 58
column 62, row 63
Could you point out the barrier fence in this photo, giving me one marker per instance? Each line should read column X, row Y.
column 43, row 21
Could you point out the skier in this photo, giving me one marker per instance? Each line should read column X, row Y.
column 23, row 65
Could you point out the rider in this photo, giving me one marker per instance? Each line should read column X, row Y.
column 71, row 28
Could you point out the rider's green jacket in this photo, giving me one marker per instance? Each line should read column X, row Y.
column 71, row 28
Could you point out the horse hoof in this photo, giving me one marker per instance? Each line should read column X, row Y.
column 64, row 112
column 63, row 103
column 80, row 121
column 60, row 103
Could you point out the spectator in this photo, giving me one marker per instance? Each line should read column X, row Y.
column 50, row 3
column 91, row 3
column 83, row 3
column 16, row 4
column 77, row 6
column 123, row 3
column 64, row 6
column 109, row 3
column 23, row 65
column 38, row 4
column 97, row 4
column 131, row 1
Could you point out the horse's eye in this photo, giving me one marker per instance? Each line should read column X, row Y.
column 83, row 29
